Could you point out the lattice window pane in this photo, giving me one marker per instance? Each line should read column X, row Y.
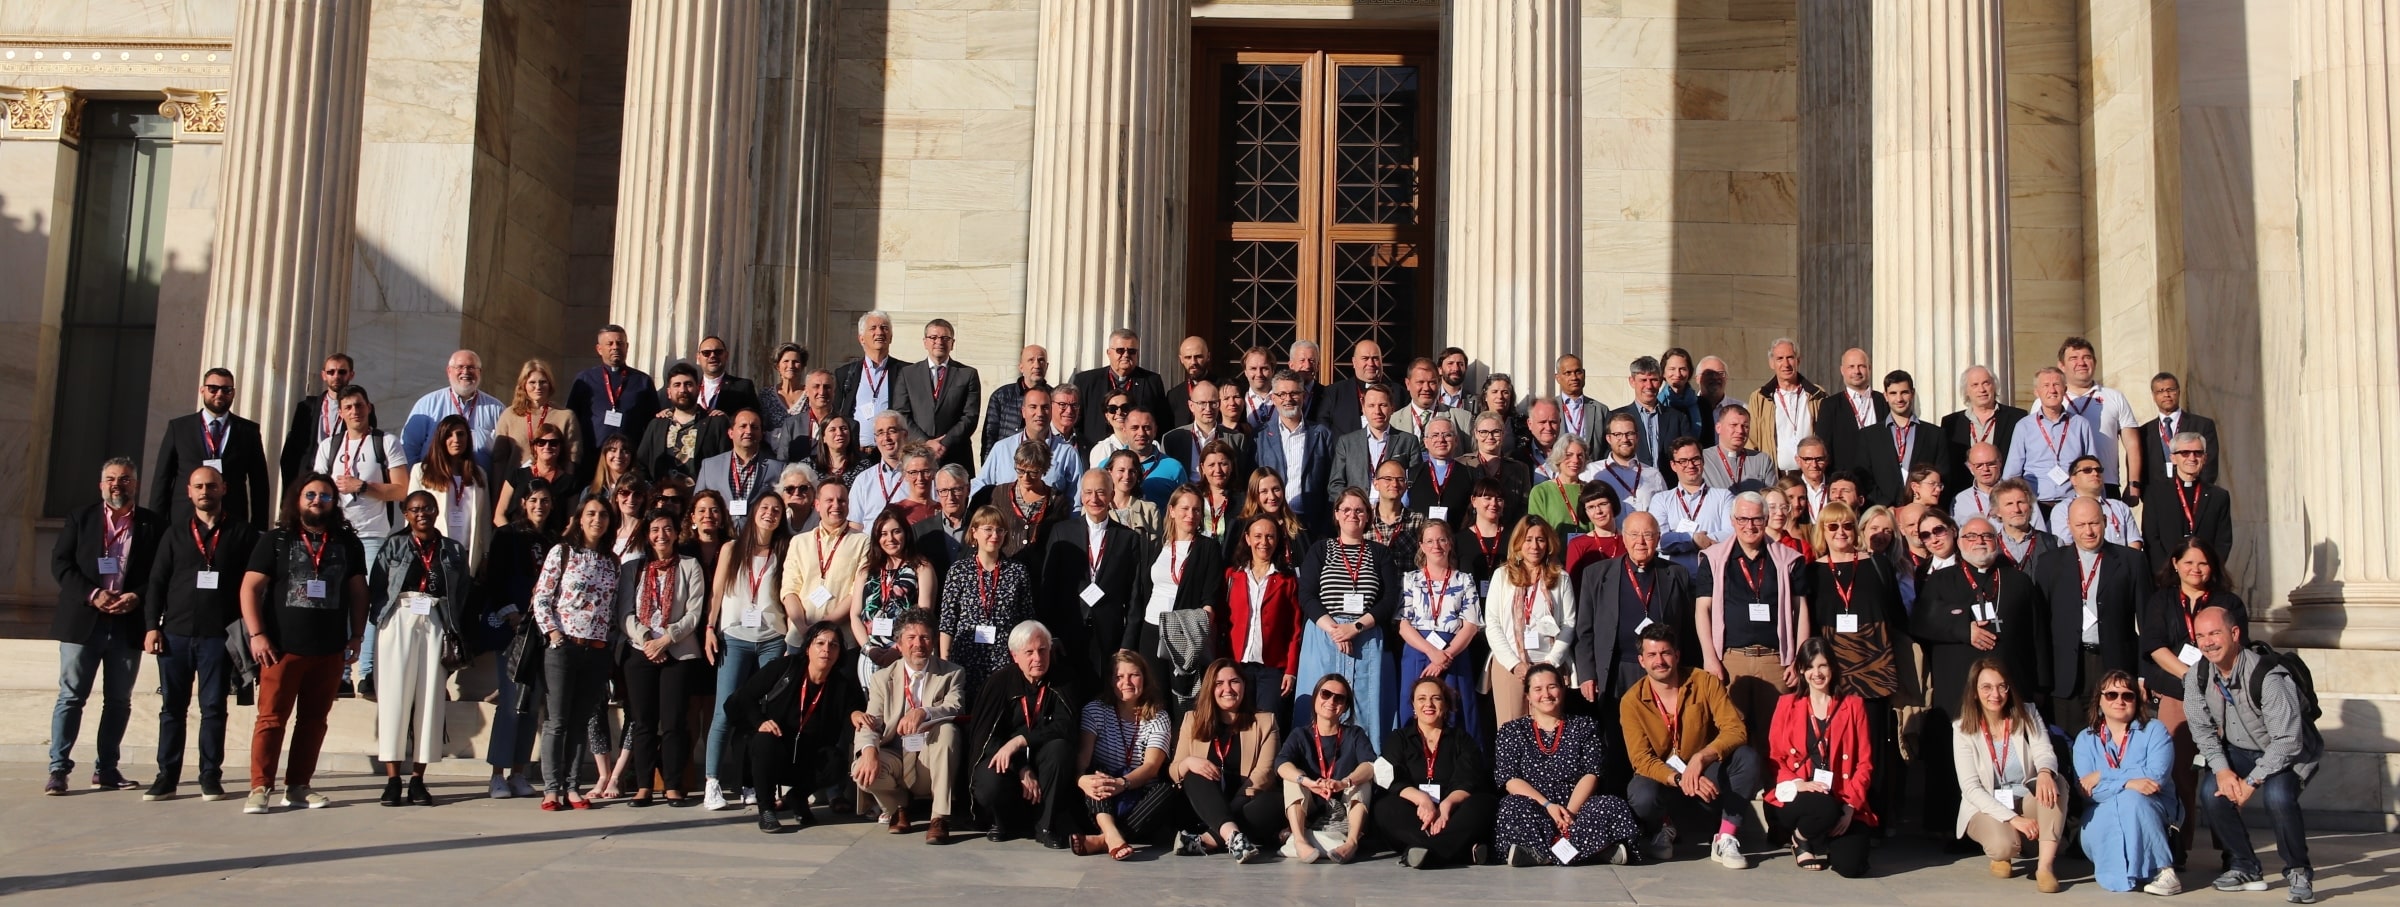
column 1375, row 140
column 1258, row 292
column 1261, row 129
column 1375, row 296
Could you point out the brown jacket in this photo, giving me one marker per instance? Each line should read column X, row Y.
column 1762, row 414
column 1259, row 745
column 1707, row 720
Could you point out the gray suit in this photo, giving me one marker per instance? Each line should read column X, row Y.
column 951, row 417
column 716, row 474
column 1405, row 419
column 1353, row 466
column 1757, row 470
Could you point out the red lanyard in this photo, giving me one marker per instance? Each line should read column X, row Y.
column 1016, row 502
column 1349, row 562
column 1040, row 695
column 889, row 587
column 1638, row 591
column 1525, row 598
column 2190, row 609
column 1900, row 435
column 425, row 556
column 742, row 476
column 1174, row 562
column 2063, row 432
column 349, row 459
column 1438, row 591
column 2116, row 757
column 1133, row 741
column 1436, row 471
column 1792, row 413
column 1673, row 719
column 1732, row 464
column 908, row 688
column 1846, row 589
column 1573, row 417
column 941, row 376
column 874, row 376
column 1490, row 547
column 1999, row 754
column 2191, row 505
column 1219, row 749
column 1976, row 587
column 1980, row 430
column 1751, row 576
column 611, row 388
column 328, row 416
column 1983, row 503
column 985, row 591
column 2083, row 405
column 1862, row 409
column 1627, row 485
column 824, row 559
column 1690, row 511
column 2013, row 556
column 758, row 575
column 465, row 406
column 316, row 551
column 1551, row 746
column 899, row 481
column 208, row 436
column 540, row 417
column 208, row 547
column 1126, row 386
column 2085, row 587
column 1430, row 752
column 1324, row 765
column 1092, row 557
column 808, row 702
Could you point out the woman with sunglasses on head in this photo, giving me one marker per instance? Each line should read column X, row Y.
column 2007, row 775
column 1225, row 764
column 1439, row 809
column 746, row 625
column 535, row 403
column 546, row 461
column 2193, row 581
column 1328, row 771
column 1548, row 767
column 1824, row 763
column 2126, row 758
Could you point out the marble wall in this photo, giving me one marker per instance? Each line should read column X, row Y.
column 124, row 18
column 37, row 180
column 2045, row 188
column 592, row 177
column 931, row 149
column 519, row 230
column 1690, row 197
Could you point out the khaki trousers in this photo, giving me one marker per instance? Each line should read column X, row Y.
column 1754, row 682
column 2000, row 842
column 929, row 773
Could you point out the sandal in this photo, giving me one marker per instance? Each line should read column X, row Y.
column 1081, row 845
column 1120, row 852
column 1813, row 863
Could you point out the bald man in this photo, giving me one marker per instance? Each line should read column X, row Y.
column 1198, row 365
column 1846, row 415
column 2094, row 589
column 463, row 396
column 1344, row 406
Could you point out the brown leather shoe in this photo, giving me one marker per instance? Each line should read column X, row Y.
column 938, row 830
column 898, row 823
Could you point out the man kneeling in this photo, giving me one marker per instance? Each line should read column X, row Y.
column 907, row 744
column 1687, row 744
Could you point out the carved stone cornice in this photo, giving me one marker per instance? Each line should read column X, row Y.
column 199, row 113
column 54, row 114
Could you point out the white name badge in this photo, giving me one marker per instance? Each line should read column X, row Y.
column 218, row 465
column 108, row 566
column 1437, row 513
column 1564, row 851
column 2007, row 798
column 1674, row 763
column 1823, row 777
column 1687, row 527
column 1437, row 641
column 738, row 507
column 819, row 596
column 1092, row 594
column 1644, row 625
column 1785, row 791
column 881, row 627
column 207, row 579
column 1845, row 623
column 753, row 618
column 1986, row 611
column 912, row 743
column 419, row 603
column 314, row 589
column 2189, row 656
column 1432, row 790
column 986, row 634
column 1534, row 641
column 612, row 419
column 2091, row 618
column 2058, row 475
column 1354, row 603
column 1761, row 612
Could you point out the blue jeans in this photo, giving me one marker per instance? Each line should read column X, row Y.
column 190, row 658
column 2280, row 792
column 513, row 732
column 77, row 664
column 735, row 663
column 366, row 645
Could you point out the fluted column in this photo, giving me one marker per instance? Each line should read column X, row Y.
column 2348, row 107
column 684, row 232
column 1941, row 291
column 1515, row 189
column 1837, row 195
column 279, row 283
column 1101, row 253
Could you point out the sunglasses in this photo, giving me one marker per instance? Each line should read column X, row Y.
column 1118, row 408
column 1126, row 351
column 2191, row 453
column 1841, row 527
column 2117, row 696
column 1934, row 533
column 712, row 353
column 315, row 496
column 2088, row 471
column 1334, row 696
column 547, row 443
column 217, row 388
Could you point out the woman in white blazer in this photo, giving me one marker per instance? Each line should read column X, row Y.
column 2007, row 775
column 463, row 492
column 1529, row 615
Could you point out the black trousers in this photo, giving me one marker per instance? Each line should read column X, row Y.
column 1141, row 815
column 779, row 761
column 1940, row 798
column 1737, row 778
column 1002, row 798
column 654, row 726
column 1257, row 817
column 1811, row 817
column 1470, row 824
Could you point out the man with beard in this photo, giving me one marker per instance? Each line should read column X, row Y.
column 684, row 434
column 304, row 600
column 1193, row 356
column 1300, row 451
column 464, row 398
column 103, row 557
column 192, row 596
column 1983, row 606
column 1454, row 391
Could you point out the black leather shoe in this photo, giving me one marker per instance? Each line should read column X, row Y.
column 766, row 820
column 160, row 789
column 417, row 794
column 391, row 793
column 1049, row 840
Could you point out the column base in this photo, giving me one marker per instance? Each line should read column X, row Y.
column 2332, row 614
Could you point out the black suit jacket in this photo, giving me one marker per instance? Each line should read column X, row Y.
column 1672, row 424
column 300, row 438
column 951, row 417
column 1341, row 406
column 845, row 390
column 734, row 395
column 1457, row 492
column 2119, row 588
column 1184, row 445
column 656, row 462
column 2165, row 525
column 184, row 447
column 1887, row 482
column 1089, row 634
column 1837, row 424
column 1597, row 591
column 1944, row 622
column 1092, row 388
column 1203, row 585
column 2154, row 450
column 1958, row 432
column 172, row 600
column 1179, row 403
column 75, row 563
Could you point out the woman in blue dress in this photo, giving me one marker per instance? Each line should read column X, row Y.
column 1349, row 598
column 2129, row 759
column 1440, row 614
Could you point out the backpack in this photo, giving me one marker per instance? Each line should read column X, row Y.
column 375, row 436
column 2268, row 661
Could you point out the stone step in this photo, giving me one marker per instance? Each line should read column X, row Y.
column 2360, row 722
column 2353, row 670
column 2351, row 792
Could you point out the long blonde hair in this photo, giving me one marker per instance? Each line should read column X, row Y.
column 522, row 404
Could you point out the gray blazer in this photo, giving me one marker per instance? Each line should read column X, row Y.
column 951, row 418
column 1757, row 470
column 683, row 619
column 1353, row 466
column 716, row 474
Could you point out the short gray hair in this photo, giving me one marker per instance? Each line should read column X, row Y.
column 955, row 473
column 1748, row 497
column 1783, row 341
column 1558, row 451
column 1644, row 365
column 877, row 313
column 2188, row 437
column 807, row 474
column 1025, row 631
column 1298, row 345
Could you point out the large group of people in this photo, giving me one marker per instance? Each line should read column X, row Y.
column 1242, row 613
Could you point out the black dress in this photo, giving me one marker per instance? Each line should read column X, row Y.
column 1455, row 765
column 1554, row 764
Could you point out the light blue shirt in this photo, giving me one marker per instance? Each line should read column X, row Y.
column 1709, row 510
column 1160, row 475
column 874, row 395
column 2042, row 449
column 875, row 489
column 483, row 415
column 1000, row 465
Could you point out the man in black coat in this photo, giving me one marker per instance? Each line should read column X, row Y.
column 2095, row 590
column 193, row 593
column 1657, row 424
column 721, row 393
column 1194, row 355
column 1887, row 464
column 1344, row 402
column 216, row 438
column 1094, row 578
column 1979, row 608
column 317, row 417
column 2185, row 505
column 1986, row 420
column 1846, row 415
column 2159, row 434
column 101, row 562
column 871, row 376
column 1615, row 598
column 1123, row 375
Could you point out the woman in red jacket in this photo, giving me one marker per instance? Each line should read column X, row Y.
column 1260, row 624
column 1822, row 767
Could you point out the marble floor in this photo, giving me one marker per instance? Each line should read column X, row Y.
column 95, row 847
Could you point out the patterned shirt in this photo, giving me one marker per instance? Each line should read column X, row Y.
column 576, row 594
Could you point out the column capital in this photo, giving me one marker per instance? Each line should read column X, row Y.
column 54, row 114
column 199, row 113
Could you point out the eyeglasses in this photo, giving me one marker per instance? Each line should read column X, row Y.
column 1812, row 459
column 1334, row 696
column 1683, row 461
column 2116, row 695
column 1748, row 520
column 1979, row 537
column 939, row 338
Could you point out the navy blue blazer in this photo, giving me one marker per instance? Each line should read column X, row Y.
column 1317, row 469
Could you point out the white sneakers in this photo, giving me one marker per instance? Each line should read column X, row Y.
column 1727, row 851
column 2166, row 885
column 501, row 790
column 713, row 797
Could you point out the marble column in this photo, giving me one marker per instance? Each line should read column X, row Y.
column 279, row 285
column 1104, row 243
column 1514, row 288
column 790, row 279
column 684, row 231
column 1941, row 278
column 1837, row 196
column 2349, row 106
